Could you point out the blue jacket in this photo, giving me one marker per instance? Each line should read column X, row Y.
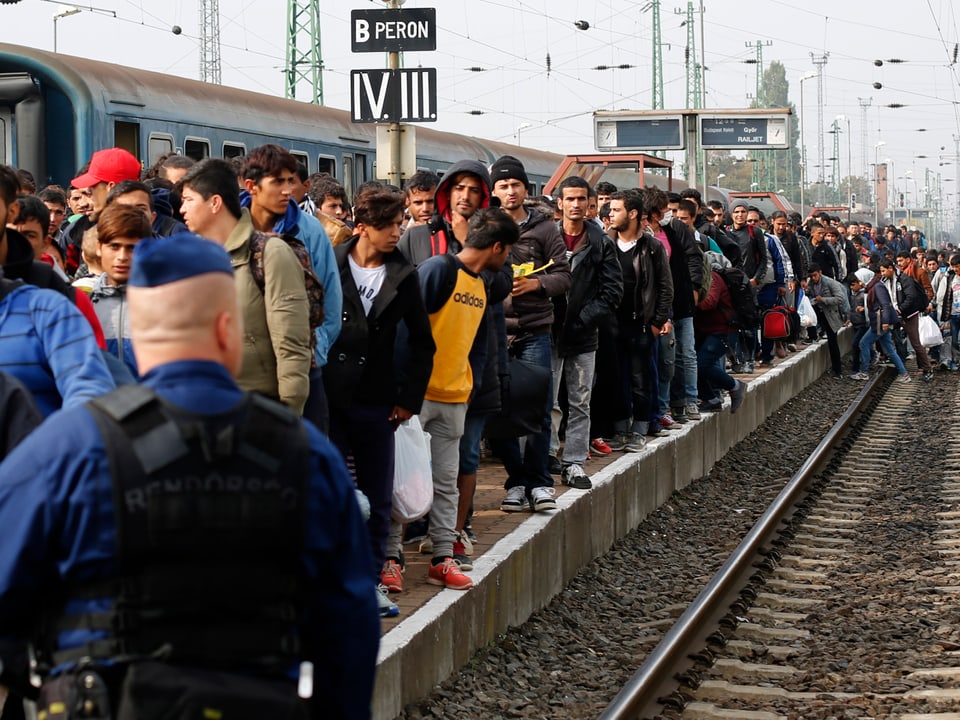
column 310, row 232
column 49, row 347
column 56, row 509
column 110, row 304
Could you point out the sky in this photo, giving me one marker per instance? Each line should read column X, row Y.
column 549, row 104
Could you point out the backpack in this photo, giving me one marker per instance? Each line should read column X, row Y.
column 315, row 291
column 704, row 288
column 742, row 297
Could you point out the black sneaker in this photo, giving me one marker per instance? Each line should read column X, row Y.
column 554, row 466
column 928, row 376
column 575, row 477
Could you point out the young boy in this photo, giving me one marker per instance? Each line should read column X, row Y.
column 119, row 229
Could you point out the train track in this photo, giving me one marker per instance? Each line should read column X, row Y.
column 844, row 598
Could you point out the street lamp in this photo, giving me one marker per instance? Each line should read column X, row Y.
column 720, row 177
column 65, row 11
column 849, row 165
column 892, row 173
column 803, row 145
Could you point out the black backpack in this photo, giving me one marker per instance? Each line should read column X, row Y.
column 742, row 297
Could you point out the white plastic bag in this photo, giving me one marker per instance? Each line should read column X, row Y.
column 930, row 335
column 808, row 316
column 413, row 477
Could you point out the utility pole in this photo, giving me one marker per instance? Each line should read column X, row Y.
column 304, row 59
column 694, row 69
column 819, row 61
column 210, row 41
column 657, row 84
column 835, row 159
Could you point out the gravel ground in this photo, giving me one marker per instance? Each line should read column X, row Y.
column 571, row 658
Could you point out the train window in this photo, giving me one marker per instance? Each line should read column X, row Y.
column 158, row 145
column 327, row 165
column 232, row 150
column 126, row 135
column 196, row 148
column 302, row 158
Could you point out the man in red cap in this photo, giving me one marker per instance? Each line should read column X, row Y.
column 107, row 168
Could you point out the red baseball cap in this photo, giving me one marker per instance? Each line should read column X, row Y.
column 112, row 165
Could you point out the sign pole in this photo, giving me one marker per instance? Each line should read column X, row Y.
column 396, row 152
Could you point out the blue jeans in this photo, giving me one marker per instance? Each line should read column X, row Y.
column 711, row 361
column 530, row 468
column 666, row 368
column 683, row 390
column 886, row 343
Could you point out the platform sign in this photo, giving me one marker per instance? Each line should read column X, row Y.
column 750, row 132
column 394, row 96
column 411, row 30
column 624, row 132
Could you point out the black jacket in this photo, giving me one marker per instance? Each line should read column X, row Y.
column 753, row 252
column 686, row 268
column 540, row 242
column 361, row 366
column 595, row 292
column 436, row 237
column 825, row 257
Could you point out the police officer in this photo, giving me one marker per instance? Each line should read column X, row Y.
column 182, row 543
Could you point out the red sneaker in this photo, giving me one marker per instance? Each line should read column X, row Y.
column 600, row 446
column 448, row 574
column 391, row 577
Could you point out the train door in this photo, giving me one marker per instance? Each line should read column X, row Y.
column 360, row 169
column 6, row 136
column 21, row 114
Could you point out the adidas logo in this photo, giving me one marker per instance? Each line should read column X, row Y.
column 468, row 299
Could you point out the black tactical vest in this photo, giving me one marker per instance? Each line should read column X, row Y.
column 210, row 517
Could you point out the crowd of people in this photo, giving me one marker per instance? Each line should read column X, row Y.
column 164, row 331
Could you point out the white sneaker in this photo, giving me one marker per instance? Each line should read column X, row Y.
column 542, row 498
column 387, row 607
column 516, row 500
column 467, row 544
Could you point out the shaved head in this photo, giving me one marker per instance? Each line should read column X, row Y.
column 193, row 319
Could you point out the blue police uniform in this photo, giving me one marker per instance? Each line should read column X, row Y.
column 56, row 509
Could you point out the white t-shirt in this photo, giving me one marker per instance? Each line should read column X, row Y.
column 368, row 282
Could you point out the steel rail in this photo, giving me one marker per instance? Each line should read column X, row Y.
column 657, row 677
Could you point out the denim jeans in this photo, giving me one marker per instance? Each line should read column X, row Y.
column 683, row 390
column 886, row 343
column 529, row 468
column 576, row 372
column 666, row 368
column 711, row 362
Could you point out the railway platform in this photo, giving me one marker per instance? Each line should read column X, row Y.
column 522, row 560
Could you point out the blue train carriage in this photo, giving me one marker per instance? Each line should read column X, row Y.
column 56, row 110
